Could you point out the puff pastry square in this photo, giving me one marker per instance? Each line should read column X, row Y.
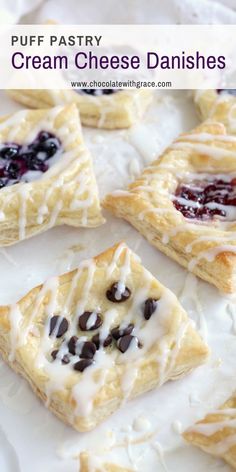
column 108, row 109
column 184, row 203
column 216, row 433
column 90, row 464
column 217, row 105
column 90, row 339
column 46, row 174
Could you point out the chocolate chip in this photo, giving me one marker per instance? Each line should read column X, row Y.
column 117, row 293
column 72, row 344
column 124, row 342
column 149, row 307
column 61, row 324
column 83, row 364
column 88, row 350
column 106, row 342
column 65, row 359
column 118, row 332
column 89, row 321
column 54, row 354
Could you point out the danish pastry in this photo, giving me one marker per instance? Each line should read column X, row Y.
column 90, row 339
column 46, row 174
column 216, row 433
column 91, row 464
column 184, row 203
column 217, row 105
column 101, row 108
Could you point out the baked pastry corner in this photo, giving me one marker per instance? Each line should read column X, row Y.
column 216, row 433
column 108, row 109
column 217, row 105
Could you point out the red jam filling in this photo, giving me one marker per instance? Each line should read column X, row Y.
column 205, row 199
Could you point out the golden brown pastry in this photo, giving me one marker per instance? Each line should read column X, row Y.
column 217, row 105
column 184, row 203
column 90, row 339
column 88, row 463
column 216, row 433
column 46, row 174
column 105, row 108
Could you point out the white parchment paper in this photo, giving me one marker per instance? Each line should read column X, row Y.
column 31, row 438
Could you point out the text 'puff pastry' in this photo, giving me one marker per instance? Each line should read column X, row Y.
column 216, row 434
column 218, row 105
column 100, row 108
column 90, row 339
column 89, row 463
column 184, row 203
column 46, row 174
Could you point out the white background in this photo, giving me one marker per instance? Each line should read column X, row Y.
column 31, row 439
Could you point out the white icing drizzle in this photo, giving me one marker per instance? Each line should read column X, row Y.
column 231, row 309
column 208, row 429
column 15, row 318
column 23, row 194
column 141, row 424
column 210, row 254
column 209, row 237
column 160, row 452
column 211, row 151
column 203, row 137
column 177, row 427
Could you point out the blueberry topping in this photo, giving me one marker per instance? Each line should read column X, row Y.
column 10, row 151
column 16, row 160
column 44, row 135
column 149, row 308
column 118, row 293
column 83, row 364
column 13, row 170
column 201, row 199
column 58, row 326
column 89, row 321
column 118, row 332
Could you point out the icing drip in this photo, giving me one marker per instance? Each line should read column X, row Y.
column 15, row 318
column 211, row 151
column 210, row 254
